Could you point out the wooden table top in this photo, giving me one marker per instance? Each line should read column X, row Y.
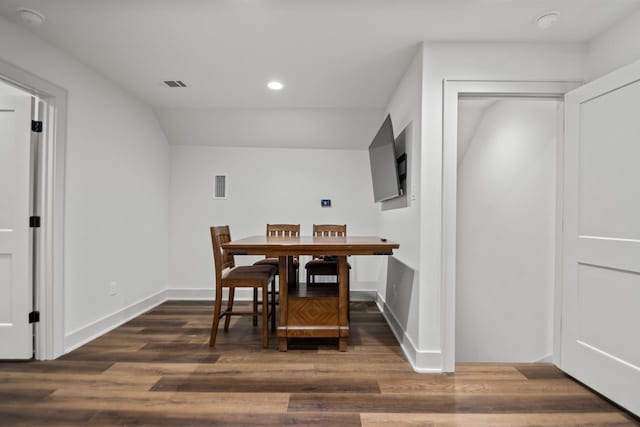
column 310, row 245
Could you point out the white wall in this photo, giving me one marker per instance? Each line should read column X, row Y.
column 266, row 185
column 116, row 200
column 399, row 219
column 465, row 61
column 506, row 233
column 616, row 47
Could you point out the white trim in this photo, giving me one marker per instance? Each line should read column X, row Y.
column 50, row 268
column 421, row 361
column 556, row 349
column 81, row 336
column 452, row 89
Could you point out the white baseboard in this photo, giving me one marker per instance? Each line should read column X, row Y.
column 546, row 359
column 100, row 327
column 362, row 295
column 191, row 294
column 422, row 361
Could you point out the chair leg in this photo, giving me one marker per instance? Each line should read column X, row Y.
column 265, row 314
column 255, row 306
column 216, row 319
column 232, row 292
column 349, row 294
column 276, row 288
column 273, row 304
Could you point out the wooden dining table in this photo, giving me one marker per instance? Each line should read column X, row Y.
column 321, row 311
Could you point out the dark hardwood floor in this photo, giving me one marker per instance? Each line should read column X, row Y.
column 159, row 370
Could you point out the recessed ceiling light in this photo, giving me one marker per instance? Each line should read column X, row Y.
column 274, row 85
column 30, row 16
column 547, row 19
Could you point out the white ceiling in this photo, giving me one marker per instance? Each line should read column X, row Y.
column 328, row 53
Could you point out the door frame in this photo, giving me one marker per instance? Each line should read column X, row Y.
column 49, row 333
column 452, row 90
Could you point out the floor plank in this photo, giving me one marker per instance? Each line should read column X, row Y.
column 541, row 372
column 450, row 384
column 148, row 418
column 268, row 383
column 55, row 366
column 53, row 381
column 183, row 403
column 144, row 356
column 448, row 403
column 19, row 416
column 493, row 420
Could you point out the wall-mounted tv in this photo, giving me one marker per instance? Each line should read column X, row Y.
column 384, row 165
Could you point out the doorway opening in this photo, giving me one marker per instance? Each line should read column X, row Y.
column 506, row 236
column 453, row 90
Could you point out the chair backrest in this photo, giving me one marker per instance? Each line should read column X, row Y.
column 329, row 230
column 286, row 230
column 221, row 259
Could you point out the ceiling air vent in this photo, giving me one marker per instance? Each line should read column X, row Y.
column 174, row 83
column 220, row 186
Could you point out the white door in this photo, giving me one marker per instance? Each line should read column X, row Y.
column 15, row 267
column 601, row 254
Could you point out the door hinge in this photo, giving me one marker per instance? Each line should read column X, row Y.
column 36, row 126
column 34, row 317
column 34, row 221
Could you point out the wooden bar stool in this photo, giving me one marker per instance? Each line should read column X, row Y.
column 327, row 266
column 284, row 230
column 230, row 276
column 324, row 266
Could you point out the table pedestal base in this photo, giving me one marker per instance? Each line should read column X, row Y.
column 315, row 311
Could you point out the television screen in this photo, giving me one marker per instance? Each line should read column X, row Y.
column 384, row 167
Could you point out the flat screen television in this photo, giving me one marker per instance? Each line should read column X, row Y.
column 384, row 165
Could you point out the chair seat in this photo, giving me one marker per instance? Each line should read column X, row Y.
column 275, row 262
column 250, row 275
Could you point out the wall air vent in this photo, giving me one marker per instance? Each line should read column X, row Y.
column 174, row 83
column 220, row 183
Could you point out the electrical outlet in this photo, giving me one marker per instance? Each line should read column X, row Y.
column 113, row 288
